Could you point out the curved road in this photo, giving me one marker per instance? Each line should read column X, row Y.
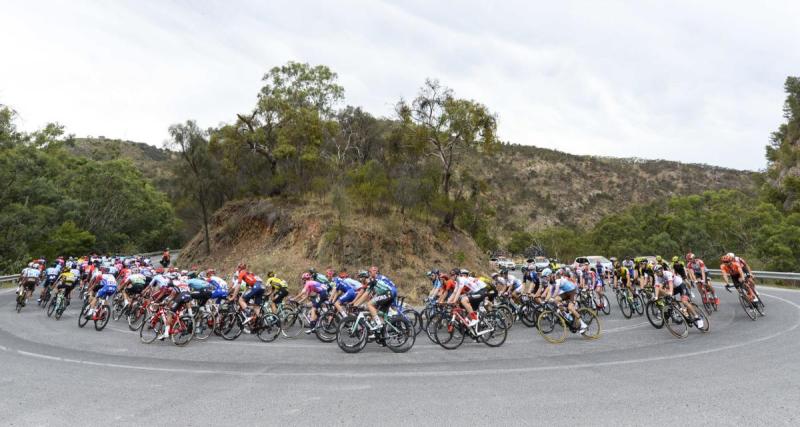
column 633, row 375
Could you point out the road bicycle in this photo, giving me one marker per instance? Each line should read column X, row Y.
column 555, row 320
column 708, row 297
column 629, row 302
column 455, row 327
column 100, row 316
column 356, row 330
column 265, row 325
column 181, row 330
column 752, row 309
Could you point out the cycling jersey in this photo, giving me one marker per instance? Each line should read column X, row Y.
column 198, row 285
column 666, row 277
column 698, row 267
column 108, row 286
column 732, row 269
column 564, row 286
column 31, row 273
column 68, row 277
column 277, row 284
column 471, row 284
column 314, row 287
column 381, row 287
column 220, row 287
column 51, row 274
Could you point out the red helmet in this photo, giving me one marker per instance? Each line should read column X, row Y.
column 160, row 270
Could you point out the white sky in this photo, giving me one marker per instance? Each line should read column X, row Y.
column 698, row 81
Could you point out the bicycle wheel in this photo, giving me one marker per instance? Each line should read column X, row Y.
column 118, row 306
column 593, row 329
column 60, row 307
column 20, row 302
column 352, row 335
column 654, row 315
column 151, row 328
column 624, row 305
column 135, row 316
column 231, row 326
column 185, row 330
column 269, row 327
column 498, row 331
column 102, row 316
column 449, row 333
column 326, row 327
column 204, row 325
column 291, row 324
column 552, row 327
column 399, row 334
column 638, row 304
column 51, row 307
column 748, row 307
column 430, row 326
column 675, row 322
column 529, row 315
column 703, row 317
column 760, row 306
column 507, row 315
column 415, row 318
column 82, row 320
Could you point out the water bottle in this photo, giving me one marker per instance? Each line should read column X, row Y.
column 568, row 316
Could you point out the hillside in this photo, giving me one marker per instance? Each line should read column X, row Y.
column 532, row 188
column 289, row 237
column 152, row 161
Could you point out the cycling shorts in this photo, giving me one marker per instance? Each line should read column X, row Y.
column 135, row 289
column 106, row 291
column 219, row 293
column 680, row 291
column 256, row 293
column 347, row 297
column 568, row 296
column 181, row 299
column 96, row 288
column 319, row 299
column 475, row 298
column 382, row 302
column 201, row 296
column 29, row 284
column 279, row 295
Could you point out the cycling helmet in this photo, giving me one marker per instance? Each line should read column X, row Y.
column 658, row 258
column 689, row 256
column 306, row 276
column 210, row 272
column 495, row 275
column 658, row 269
column 363, row 274
column 675, row 259
column 464, row 271
column 192, row 274
column 731, row 254
column 726, row 259
column 160, row 270
column 627, row 263
column 504, row 271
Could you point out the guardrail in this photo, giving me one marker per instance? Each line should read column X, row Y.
column 769, row 275
column 14, row 277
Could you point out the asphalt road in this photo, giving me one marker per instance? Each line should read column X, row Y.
column 742, row 372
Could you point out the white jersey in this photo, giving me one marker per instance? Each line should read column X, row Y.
column 31, row 273
column 471, row 283
column 667, row 277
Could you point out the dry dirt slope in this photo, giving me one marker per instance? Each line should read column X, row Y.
column 270, row 234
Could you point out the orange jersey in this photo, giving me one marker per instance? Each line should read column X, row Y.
column 733, row 269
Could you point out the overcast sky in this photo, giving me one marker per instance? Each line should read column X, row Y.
column 698, row 81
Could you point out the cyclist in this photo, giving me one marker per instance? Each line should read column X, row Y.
column 476, row 293
column 28, row 280
column 748, row 272
column 436, row 283
column 278, row 290
column 622, row 275
column 732, row 271
column 254, row 290
column 66, row 282
column 448, row 286
column 565, row 290
column 344, row 291
column 220, row 286
column 50, row 277
column 314, row 291
column 105, row 287
column 698, row 273
column 668, row 283
column 200, row 290
column 384, row 293
column 598, row 283
column 132, row 284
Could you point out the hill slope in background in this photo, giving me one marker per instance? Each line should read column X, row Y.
column 152, row 161
column 529, row 188
column 532, row 188
column 289, row 237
